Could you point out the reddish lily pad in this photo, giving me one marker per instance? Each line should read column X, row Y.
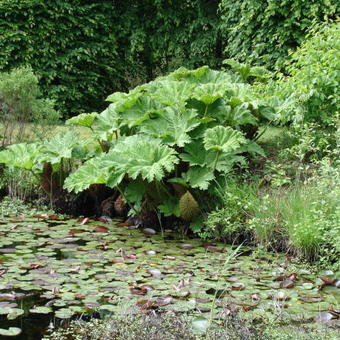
column 101, row 229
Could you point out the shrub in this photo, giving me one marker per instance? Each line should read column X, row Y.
column 312, row 87
column 229, row 222
column 21, row 106
column 163, row 143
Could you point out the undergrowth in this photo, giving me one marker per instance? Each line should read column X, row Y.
column 171, row 326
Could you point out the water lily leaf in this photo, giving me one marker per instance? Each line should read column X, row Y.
column 149, row 231
column 200, row 325
column 5, row 310
column 308, row 285
column 109, row 308
column 15, row 312
column 288, row 283
column 64, row 313
column 12, row 331
column 41, row 310
column 324, row 317
column 145, row 304
column 101, row 229
column 163, row 301
column 155, row 272
column 238, row 286
column 186, row 246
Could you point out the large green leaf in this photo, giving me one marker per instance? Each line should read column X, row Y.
column 116, row 97
column 172, row 92
column 189, row 75
column 222, row 139
column 143, row 108
column 139, row 155
column 59, row 147
column 84, row 119
column 236, row 115
column 173, row 125
column 208, row 93
column 219, row 77
column 170, row 207
column 143, row 156
column 246, row 71
column 21, row 155
column 199, row 177
column 94, row 171
column 134, row 191
column 107, row 123
column 195, row 154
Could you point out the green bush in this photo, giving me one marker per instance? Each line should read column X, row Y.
column 263, row 32
column 229, row 222
column 311, row 90
column 22, row 107
column 170, row 139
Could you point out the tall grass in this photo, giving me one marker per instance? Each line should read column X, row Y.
column 303, row 219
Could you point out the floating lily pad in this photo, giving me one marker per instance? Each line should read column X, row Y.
column 12, row 331
column 200, row 325
column 41, row 310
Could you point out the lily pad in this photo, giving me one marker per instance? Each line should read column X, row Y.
column 200, row 325
column 41, row 310
column 12, row 331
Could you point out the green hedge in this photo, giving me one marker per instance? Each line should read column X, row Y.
column 263, row 31
column 85, row 50
column 69, row 44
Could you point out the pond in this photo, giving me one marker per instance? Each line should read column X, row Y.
column 53, row 268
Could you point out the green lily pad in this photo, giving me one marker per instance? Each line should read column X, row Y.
column 200, row 325
column 41, row 310
column 12, row 331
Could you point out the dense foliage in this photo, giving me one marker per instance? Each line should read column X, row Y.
column 311, row 91
column 84, row 50
column 263, row 32
column 161, row 143
column 168, row 326
column 172, row 137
